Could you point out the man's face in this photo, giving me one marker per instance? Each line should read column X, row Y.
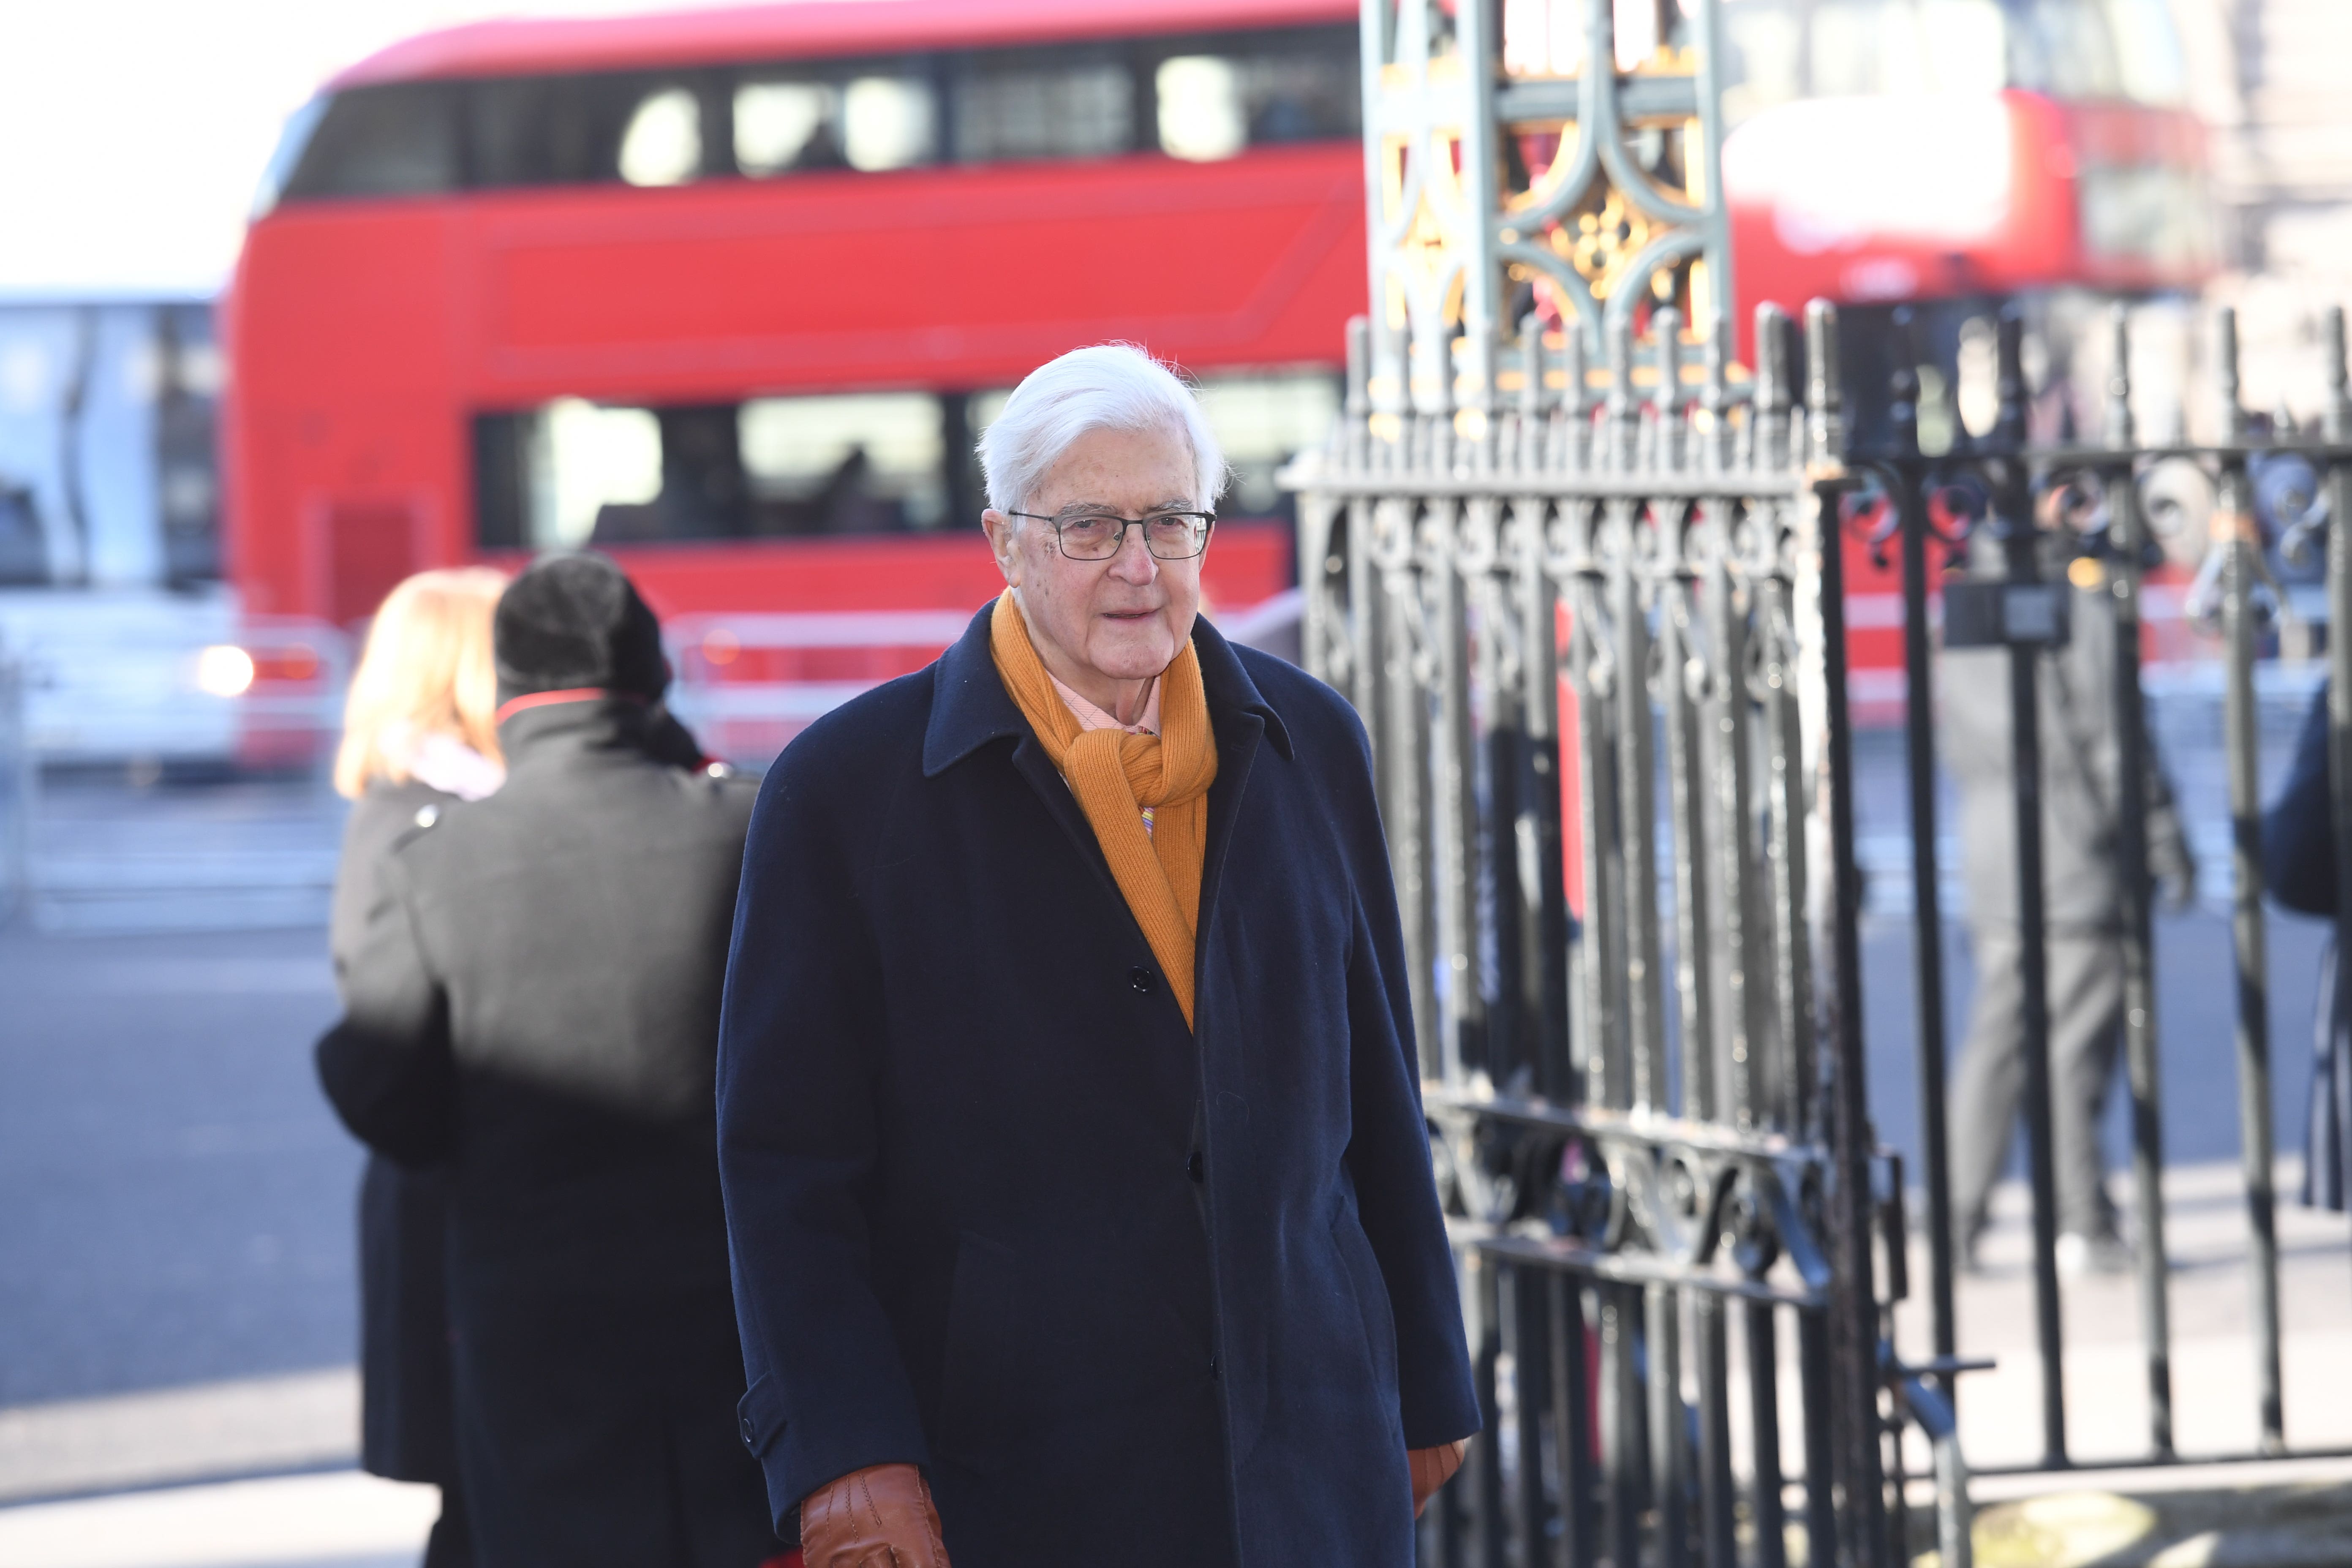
column 1122, row 619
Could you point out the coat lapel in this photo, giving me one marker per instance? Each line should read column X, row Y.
column 1241, row 717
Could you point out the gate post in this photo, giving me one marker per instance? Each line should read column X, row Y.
column 1853, row 1318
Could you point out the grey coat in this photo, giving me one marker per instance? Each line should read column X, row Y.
column 2080, row 830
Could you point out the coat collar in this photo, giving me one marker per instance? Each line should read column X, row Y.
column 598, row 723
column 969, row 706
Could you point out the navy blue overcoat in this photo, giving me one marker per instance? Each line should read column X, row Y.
column 1129, row 1292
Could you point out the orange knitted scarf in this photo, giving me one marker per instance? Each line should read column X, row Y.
column 1114, row 776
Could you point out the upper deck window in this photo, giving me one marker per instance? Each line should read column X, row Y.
column 1198, row 98
column 400, row 139
column 1780, row 51
column 542, row 130
column 663, row 143
column 1049, row 104
column 869, row 121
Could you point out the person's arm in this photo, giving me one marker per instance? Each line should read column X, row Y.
column 2170, row 860
column 386, row 1064
column 802, row 1022
column 1388, row 1155
column 2299, row 829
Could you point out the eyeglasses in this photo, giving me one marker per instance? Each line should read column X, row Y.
column 1098, row 536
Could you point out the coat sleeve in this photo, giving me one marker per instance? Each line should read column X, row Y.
column 2298, row 831
column 1388, row 1149
column 799, row 1033
column 386, row 1064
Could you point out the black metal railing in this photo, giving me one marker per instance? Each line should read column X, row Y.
column 2005, row 490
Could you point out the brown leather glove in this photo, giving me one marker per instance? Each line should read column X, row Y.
column 880, row 1516
column 1431, row 1468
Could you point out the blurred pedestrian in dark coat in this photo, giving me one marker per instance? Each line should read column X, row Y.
column 419, row 735
column 533, row 1002
column 2082, row 870
column 2299, row 867
column 1069, row 1114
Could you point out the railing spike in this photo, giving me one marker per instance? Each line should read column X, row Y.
column 2119, row 432
column 1623, row 415
column 2337, row 421
column 1824, row 393
column 1533, row 393
column 2008, row 429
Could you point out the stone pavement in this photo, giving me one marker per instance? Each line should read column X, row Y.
column 338, row 1519
column 241, row 1426
column 2295, row 1513
column 2213, row 1375
column 2292, row 1513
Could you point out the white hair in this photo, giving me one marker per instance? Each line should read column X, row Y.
column 1109, row 386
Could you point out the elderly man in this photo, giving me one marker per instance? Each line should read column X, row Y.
column 1075, row 1170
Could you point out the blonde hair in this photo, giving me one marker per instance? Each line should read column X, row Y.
column 426, row 670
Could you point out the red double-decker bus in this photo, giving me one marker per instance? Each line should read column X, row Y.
column 730, row 293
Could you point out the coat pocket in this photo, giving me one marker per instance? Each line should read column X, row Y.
column 1371, row 1292
column 981, row 1392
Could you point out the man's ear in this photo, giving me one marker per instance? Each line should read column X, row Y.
column 1001, row 530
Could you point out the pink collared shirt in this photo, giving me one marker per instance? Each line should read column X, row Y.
column 1093, row 717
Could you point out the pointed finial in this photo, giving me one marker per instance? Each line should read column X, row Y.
column 1532, row 393
column 1770, row 447
column 1624, row 418
column 2234, row 423
column 1667, row 398
column 2337, row 421
column 1824, row 394
column 1903, row 386
column 2120, row 379
column 2009, row 423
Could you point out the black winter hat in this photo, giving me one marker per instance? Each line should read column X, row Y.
column 576, row 620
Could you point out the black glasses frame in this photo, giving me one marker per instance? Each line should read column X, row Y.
column 1206, row 521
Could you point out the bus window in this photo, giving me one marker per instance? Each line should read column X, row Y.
column 872, row 123
column 582, row 460
column 1764, row 44
column 1256, row 92
column 1263, row 419
column 188, row 381
column 1201, row 116
column 663, row 146
column 2062, row 48
column 860, row 463
column 888, row 122
column 787, row 125
column 569, row 129
column 23, row 543
column 2149, row 65
column 400, row 139
column 1779, row 50
column 574, row 472
column 1966, row 44
column 1062, row 103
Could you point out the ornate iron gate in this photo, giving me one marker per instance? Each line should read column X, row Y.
column 1578, row 573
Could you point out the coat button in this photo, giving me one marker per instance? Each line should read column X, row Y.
column 1141, row 979
column 751, row 1433
column 1193, row 1165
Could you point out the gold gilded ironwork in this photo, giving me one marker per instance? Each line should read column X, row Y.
column 1566, row 147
